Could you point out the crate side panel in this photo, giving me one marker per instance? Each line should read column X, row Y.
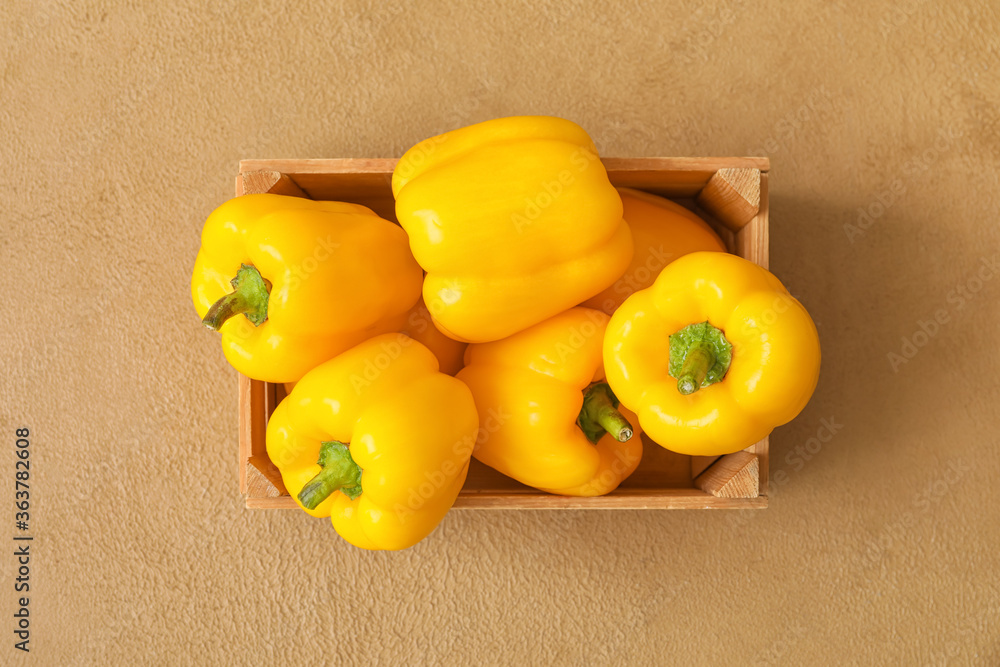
column 638, row 499
column 660, row 469
column 752, row 241
column 663, row 479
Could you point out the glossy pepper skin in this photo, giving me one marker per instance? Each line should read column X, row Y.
column 774, row 348
column 529, row 389
column 662, row 231
column 408, row 429
column 514, row 221
column 420, row 327
column 336, row 274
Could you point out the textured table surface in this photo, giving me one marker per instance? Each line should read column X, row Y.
column 121, row 126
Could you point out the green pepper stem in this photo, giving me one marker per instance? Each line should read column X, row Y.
column 600, row 415
column 614, row 423
column 697, row 363
column 250, row 297
column 339, row 472
column 700, row 355
column 232, row 304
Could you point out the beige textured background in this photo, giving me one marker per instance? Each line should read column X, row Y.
column 121, row 125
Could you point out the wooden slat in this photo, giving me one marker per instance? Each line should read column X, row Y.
column 700, row 464
column 246, row 412
column 752, row 239
column 630, row 499
column 634, row 499
column 732, row 476
column 659, row 468
column 761, row 451
column 368, row 189
column 282, row 503
column 246, row 429
column 668, row 165
column 270, row 181
column 259, row 462
column 752, row 242
column 369, row 179
column 376, row 165
column 727, row 235
column 256, row 402
column 253, row 424
column 673, row 177
column 732, row 196
column 259, row 486
column 322, row 166
column 270, row 403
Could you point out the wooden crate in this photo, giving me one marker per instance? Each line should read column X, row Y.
column 729, row 193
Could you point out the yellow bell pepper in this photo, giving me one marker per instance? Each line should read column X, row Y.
column 713, row 356
column 514, row 221
column 378, row 440
column 662, row 231
column 420, row 327
column 311, row 279
column 549, row 420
